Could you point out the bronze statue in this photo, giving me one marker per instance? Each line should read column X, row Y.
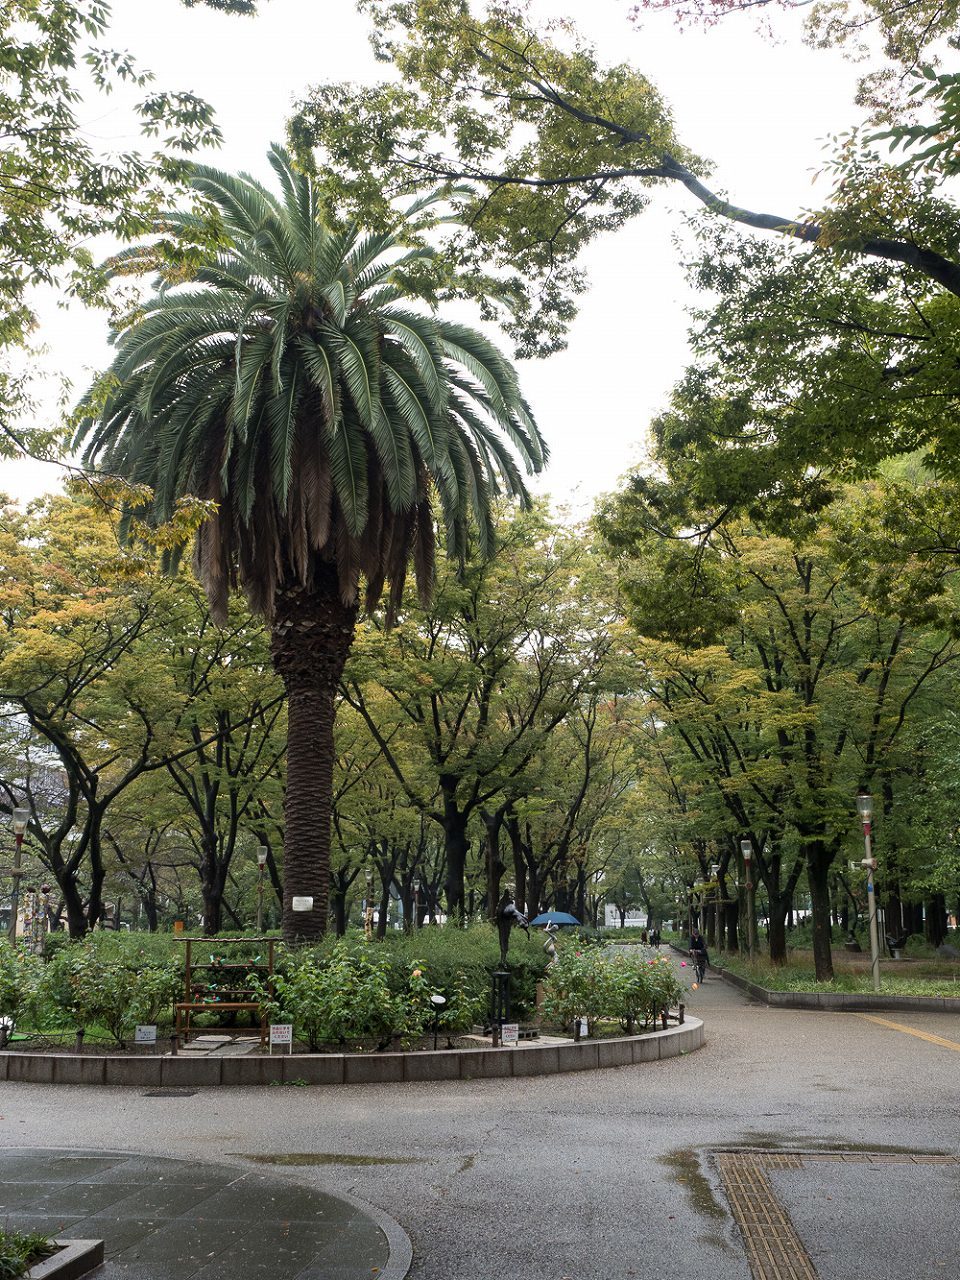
column 507, row 917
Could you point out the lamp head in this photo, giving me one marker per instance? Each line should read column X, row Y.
column 19, row 819
column 865, row 804
column 262, row 856
column 746, row 848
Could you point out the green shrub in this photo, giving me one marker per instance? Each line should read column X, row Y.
column 338, row 995
column 98, row 982
column 19, row 1251
column 589, row 983
column 578, row 985
column 21, row 974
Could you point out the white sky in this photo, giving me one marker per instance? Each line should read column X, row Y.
column 759, row 110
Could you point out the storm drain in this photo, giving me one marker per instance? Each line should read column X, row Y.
column 169, row 1093
column 774, row 1249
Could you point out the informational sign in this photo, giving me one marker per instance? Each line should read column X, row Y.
column 145, row 1034
column 178, row 926
column 510, row 1033
column 584, row 1027
column 281, row 1033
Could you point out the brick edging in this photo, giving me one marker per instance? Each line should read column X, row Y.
column 154, row 1071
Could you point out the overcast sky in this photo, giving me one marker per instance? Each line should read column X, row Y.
column 760, row 111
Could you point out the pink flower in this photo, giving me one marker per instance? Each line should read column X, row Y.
column 683, row 964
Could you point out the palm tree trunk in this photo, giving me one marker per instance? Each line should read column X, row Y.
column 311, row 636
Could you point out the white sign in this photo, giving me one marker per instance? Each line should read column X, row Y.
column 584, row 1027
column 145, row 1034
column 281, row 1033
column 510, row 1033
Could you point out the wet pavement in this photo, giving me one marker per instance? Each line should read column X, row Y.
column 595, row 1175
column 165, row 1217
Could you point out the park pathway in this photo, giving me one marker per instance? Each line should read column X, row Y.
column 608, row 1174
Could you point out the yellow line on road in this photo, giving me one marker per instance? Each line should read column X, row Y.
column 921, row 1035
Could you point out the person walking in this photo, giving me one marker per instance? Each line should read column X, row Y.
column 698, row 951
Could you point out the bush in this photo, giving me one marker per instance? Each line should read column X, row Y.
column 99, row 982
column 21, row 974
column 19, row 1251
column 578, row 985
column 588, row 983
column 338, row 995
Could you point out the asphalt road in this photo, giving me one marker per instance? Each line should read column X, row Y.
column 598, row 1175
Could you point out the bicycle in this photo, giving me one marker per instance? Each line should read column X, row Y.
column 699, row 964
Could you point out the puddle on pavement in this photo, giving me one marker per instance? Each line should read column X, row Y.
column 685, row 1170
column 301, row 1158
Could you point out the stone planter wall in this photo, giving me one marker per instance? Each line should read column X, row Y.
column 351, row 1068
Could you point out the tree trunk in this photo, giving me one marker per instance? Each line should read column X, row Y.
column 778, row 933
column 492, row 822
column 311, row 636
column 935, row 919
column 818, row 868
column 456, row 846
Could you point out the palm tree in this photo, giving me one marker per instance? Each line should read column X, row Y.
column 331, row 426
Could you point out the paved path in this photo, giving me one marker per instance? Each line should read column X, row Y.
column 600, row 1175
column 163, row 1217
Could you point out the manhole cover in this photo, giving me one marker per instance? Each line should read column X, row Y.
column 170, row 1093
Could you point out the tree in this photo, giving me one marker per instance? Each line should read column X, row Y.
column 58, row 190
column 286, row 384
column 787, row 669
column 461, row 697
column 558, row 147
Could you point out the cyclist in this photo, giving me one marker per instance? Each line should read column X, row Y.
column 698, row 950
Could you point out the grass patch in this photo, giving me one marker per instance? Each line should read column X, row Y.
column 19, row 1251
column 922, row 979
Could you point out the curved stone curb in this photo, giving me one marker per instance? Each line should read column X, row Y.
column 90, row 1253
column 841, row 1001
column 398, row 1242
column 351, row 1068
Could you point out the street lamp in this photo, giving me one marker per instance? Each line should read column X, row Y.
column 869, row 863
column 368, row 910
column 19, row 820
column 416, row 902
column 715, row 875
column 261, row 866
column 746, row 848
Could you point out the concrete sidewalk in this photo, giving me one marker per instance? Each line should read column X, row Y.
column 181, row 1218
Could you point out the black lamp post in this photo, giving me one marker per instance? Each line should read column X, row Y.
column 19, row 820
column 746, row 848
column 438, row 1001
column 869, row 863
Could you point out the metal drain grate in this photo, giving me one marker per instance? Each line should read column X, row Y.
column 170, row 1093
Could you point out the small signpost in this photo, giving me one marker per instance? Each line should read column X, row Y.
column 281, row 1033
column 146, row 1033
column 510, row 1033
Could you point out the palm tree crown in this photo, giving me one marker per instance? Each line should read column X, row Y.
column 288, row 383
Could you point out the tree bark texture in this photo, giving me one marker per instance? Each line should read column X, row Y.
column 818, row 867
column 311, row 636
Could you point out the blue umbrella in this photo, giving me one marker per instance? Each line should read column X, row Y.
column 555, row 917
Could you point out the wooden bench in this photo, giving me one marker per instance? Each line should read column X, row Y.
column 184, row 1008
